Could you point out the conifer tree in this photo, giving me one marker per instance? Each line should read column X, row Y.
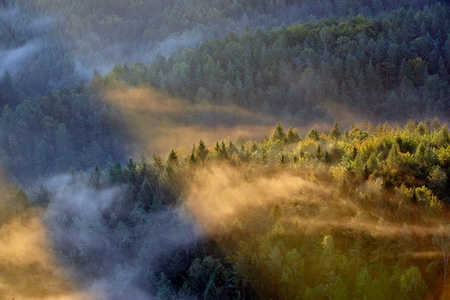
column 278, row 134
column 193, row 158
column 319, row 153
column 201, row 151
column 293, row 136
column 313, row 135
column 336, row 131
column 145, row 195
column 172, row 159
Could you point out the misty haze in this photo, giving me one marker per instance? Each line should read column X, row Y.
column 273, row 149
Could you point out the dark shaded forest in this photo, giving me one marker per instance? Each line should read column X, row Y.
column 143, row 153
column 50, row 44
column 394, row 67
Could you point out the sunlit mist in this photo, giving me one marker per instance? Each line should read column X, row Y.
column 159, row 122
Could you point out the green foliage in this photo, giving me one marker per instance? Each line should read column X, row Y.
column 193, row 157
column 66, row 54
column 202, row 151
column 313, row 135
column 356, row 133
column 422, row 156
column 438, row 181
column 293, row 136
column 351, row 228
column 332, row 57
column 412, row 284
column 164, row 288
column 336, row 131
column 431, row 203
column 372, row 162
column 394, row 158
column 348, row 62
column 145, row 195
column 63, row 130
column 172, row 159
column 353, row 221
column 278, row 134
column 319, row 155
column 443, row 136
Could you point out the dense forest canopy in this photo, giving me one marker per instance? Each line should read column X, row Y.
column 394, row 66
column 48, row 44
column 337, row 215
column 275, row 149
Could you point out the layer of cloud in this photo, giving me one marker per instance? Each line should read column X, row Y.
column 30, row 269
column 110, row 244
column 12, row 59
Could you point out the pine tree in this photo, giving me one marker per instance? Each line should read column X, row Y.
column 313, row 135
column 145, row 195
column 412, row 285
column 293, row 136
column 278, row 134
column 336, row 131
column 115, row 173
column 172, row 159
column 164, row 288
column 201, row 151
column 193, row 158
column 131, row 173
column 319, row 153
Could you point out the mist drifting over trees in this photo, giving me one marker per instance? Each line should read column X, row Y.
column 224, row 149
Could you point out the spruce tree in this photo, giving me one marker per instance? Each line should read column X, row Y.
column 201, row 151
column 278, row 134
column 293, row 136
column 336, row 131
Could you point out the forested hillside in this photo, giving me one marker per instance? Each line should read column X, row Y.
column 143, row 153
column 49, row 44
column 64, row 130
column 348, row 215
column 394, row 67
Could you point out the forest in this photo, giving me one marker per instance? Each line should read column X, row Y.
column 352, row 215
column 224, row 149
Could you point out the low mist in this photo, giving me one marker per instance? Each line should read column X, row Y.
column 302, row 198
column 12, row 59
column 110, row 244
column 159, row 122
column 30, row 266
column 222, row 193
